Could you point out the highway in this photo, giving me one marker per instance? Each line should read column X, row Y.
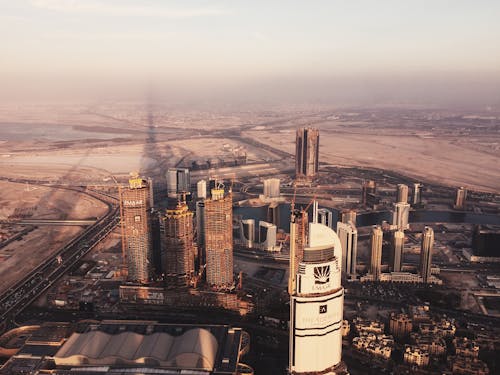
column 25, row 291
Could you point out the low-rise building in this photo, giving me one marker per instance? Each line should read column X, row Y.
column 468, row 366
column 414, row 355
column 400, row 325
column 434, row 345
column 465, row 347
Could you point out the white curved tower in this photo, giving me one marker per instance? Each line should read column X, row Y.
column 316, row 306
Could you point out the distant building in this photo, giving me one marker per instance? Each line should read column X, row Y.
column 368, row 193
column 400, row 325
column 400, row 216
column 485, row 240
column 376, row 239
column 271, row 188
column 177, row 243
column 465, row 347
column 413, row 355
column 460, row 199
column 135, row 210
column 178, row 181
column 349, row 216
column 416, row 200
column 348, row 235
column 435, row 345
column 267, row 236
column 201, row 189
column 468, row 366
column 247, row 232
column 273, row 214
column 398, row 240
column 377, row 345
column 426, row 253
column 325, row 217
column 402, row 193
column 306, row 153
column 219, row 238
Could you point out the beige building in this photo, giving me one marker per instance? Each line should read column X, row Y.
column 135, row 213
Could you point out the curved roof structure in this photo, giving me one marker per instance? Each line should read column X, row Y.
column 195, row 349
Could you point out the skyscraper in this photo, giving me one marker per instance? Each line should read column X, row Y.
column 325, row 217
column 417, row 195
column 267, row 236
column 178, row 181
column 426, row 253
column 200, row 231
column 316, row 306
column 271, row 188
column 400, row 216
column 219, row 238
column 201, row 189
column 136, row 229
column 306, row 153
column 349, row 216
column 247, row 232
column 298, row 237
column 460, row 198
column 376, row 255
column 398, row 241
column 368, row 193
column 177, row 243
column 348, row 235
column 402, row 193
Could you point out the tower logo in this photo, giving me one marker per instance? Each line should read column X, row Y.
column 321, row 275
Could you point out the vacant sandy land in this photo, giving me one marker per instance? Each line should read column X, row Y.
column 429, row 159
column 48, row 203
column 20, row 257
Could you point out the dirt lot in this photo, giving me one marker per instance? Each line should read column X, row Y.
column 34, row 202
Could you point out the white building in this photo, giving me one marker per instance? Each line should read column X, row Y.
column 348, row 235
column 201, row 189
column 316, row 306
column 400, row 216
column 267, row 236
column 271, row 188
column 247, row 232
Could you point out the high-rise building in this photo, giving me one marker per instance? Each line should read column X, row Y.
column 200, row 231
column 306, row 153
column 376, row 238
column 426, row 253
column 349, row 216
column 201, row 189
column 178, row 181
column 267, row 236
column 273, row 213
column 460, row 198
column 298, row 237
column 417, row 195
column 325, row 217
column 316, row 306
column 398, row 240
column 219, row 238
column 271, row 188
column 247, row 232
column 402, row 193
column 368, row 193
column 177, row 243
column 400, row 216
column 135, row 210
column 348, row 235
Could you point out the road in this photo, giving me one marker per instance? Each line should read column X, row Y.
column 25, row 291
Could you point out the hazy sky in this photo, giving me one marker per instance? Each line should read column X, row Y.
column 50, row 43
